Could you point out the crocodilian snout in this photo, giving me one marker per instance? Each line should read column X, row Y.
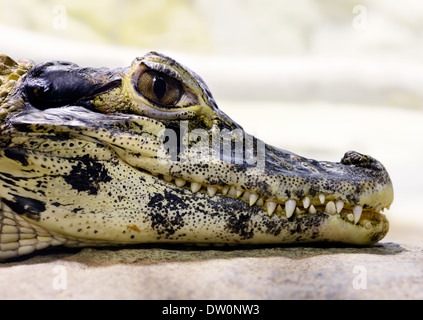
column 357, row 180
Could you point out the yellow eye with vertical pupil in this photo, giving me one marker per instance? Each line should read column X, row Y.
column 160, row 88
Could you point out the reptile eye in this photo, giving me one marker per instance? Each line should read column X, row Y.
column 160, row 88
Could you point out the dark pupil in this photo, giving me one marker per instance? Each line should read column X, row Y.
column 159, row 87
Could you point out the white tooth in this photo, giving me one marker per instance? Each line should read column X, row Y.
column 211, row 191
column 322, row 198
column 339, row 205
column 290, row 207
column 298, row 211
column 368, row 225
column 232, row 192
column 306, row 202
column 180, row 182
column 378, row 208
column 357, row 213
column 253, row 198
column 350, row 216
column 195, row 187
column 330, row 208
column 225, row 190
column 167, row 178
column 312, row 210
column 246, row 196
column 271, row 206
column 239, row 192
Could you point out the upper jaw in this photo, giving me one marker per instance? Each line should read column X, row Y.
column 329, row 187
column 357, row 179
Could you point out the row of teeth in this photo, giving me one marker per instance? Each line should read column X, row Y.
column 331, row 207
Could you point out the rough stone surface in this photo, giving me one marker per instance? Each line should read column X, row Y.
column 388, row 270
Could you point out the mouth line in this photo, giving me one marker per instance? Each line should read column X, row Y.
column 285, row 208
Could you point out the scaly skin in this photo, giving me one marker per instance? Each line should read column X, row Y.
column 143, row 154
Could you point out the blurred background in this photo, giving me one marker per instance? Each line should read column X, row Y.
column 316, row 77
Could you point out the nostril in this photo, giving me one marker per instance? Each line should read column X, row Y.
column 354, row 158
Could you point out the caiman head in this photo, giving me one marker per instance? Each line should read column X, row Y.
column 96, row 156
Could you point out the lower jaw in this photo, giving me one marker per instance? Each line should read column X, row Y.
column 371, row 228
column 336, row 228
